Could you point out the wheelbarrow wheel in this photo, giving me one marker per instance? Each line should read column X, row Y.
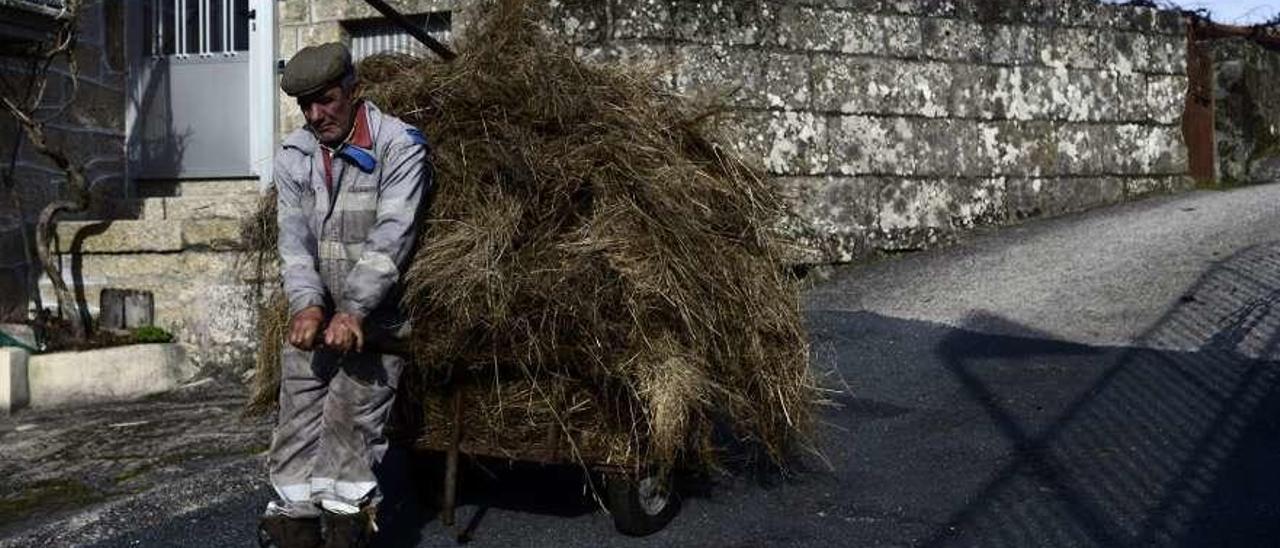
column 641, row 508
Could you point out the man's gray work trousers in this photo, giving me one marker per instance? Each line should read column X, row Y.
column 329, row 436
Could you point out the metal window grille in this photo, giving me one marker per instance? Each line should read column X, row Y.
column 196, row 28
column 372, row 36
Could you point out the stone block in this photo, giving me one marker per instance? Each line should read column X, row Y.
column 946, row 148
column 883, row 86
column 321, row 31
column 14, row 390
column 727, row 22
column 954, row 40
column 1166, row 98
column 829, row 217
column 1150, row 149
column 1038, row 197
column 850, row 85
column 108, row 374
column 1012, row 44
column 1018, row 149
column 977, row 202
column 580, row 23
column 783, row 143
column 866, row 145
column 294, row 11
column 918, row 88
column 1139, row 187
column 1072, row 47
column 1058, row 93
column 211, row 235
column 1129, row 51
column 196, row 207
column 1131, row 97
column 735, row 73
column 913, row 204
column 1091, row 96
column 1170, row 22
column 815, row 29
column 832, row 202
column 1077, row 153
column 640, row 19
column 903, row 36
column 657, row 60
column 118, row 236
column 786, row 79
column 335, row 10
column 1165, row 55
column 998, row 93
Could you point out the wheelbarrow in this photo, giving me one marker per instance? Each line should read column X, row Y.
column 641, row 503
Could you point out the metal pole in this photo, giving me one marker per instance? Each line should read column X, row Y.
column 414, row 30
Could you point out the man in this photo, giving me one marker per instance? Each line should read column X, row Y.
column 350, row 186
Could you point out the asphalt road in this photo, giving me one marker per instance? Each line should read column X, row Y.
column 1106, row 379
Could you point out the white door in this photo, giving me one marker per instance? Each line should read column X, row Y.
column 193, row 106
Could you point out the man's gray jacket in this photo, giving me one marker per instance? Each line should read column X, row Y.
column 346, row 249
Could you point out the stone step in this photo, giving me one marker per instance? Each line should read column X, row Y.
column 148, row 236
column 213, row 187
column 197, row 207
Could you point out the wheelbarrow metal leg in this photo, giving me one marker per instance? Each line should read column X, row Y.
column 447, row 511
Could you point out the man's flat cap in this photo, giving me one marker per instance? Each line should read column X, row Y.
column 315, row 68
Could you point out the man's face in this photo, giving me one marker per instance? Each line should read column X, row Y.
column 330, row 113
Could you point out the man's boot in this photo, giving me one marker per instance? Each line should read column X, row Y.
column 287, row 532
column 347, row 530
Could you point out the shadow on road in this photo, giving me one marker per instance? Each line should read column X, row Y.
column 1152, row 447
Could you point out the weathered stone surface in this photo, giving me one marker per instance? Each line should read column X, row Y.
column 1137, row 187
column 864, row 145
column 1247, row 111
column 197, row 207
column 721, row 71
column 727, row 22
column 784, row 142
column 830, row 216
column 1055, row 196
column 1012, row 44
column 118, row 237
column 955, row 40
column 1166, row 96
column 978, row 96
column 213, row 235
column 109, row 374
column 787, row 80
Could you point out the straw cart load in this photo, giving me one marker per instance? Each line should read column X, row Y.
column 598, row 281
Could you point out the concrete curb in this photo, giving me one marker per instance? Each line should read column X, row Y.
column 107, row 374
column 14, row 394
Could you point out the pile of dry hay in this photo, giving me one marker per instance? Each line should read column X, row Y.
column 593, row 261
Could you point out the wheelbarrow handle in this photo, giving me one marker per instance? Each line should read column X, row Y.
column 414, row 30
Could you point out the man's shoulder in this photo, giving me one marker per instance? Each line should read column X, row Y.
column 299, row 141
column 397, row 132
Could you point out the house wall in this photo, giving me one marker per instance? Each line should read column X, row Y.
column 1246, row 111
column 88, row 125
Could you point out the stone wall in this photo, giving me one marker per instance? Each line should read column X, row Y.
column 893, row 124
column 89, row 126
column 1246, row 111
